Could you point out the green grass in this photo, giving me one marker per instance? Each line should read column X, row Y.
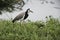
column 39, row 30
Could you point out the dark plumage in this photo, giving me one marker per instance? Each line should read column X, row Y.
column 23, row 15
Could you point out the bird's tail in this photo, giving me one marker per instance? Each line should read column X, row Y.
column 13, row 21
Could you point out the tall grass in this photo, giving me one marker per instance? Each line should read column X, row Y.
column 39, row 30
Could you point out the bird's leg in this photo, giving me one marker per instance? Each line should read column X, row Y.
column 21, row 21
column 24, row 21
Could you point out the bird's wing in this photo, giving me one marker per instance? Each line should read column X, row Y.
column 19, row 16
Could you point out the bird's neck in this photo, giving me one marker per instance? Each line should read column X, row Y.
column 26, row 15
column 26, row 12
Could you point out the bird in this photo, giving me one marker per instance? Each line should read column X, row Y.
column 23, row 15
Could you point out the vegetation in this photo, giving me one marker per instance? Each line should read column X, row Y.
column 10, row 5
column 39, row 30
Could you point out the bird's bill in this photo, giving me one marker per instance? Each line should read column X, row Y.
column 31, row 11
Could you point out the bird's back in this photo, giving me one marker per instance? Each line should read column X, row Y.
column 19, row 16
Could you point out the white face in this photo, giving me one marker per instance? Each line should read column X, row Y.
column 30, row 11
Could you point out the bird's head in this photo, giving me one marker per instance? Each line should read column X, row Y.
column 29, row 10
